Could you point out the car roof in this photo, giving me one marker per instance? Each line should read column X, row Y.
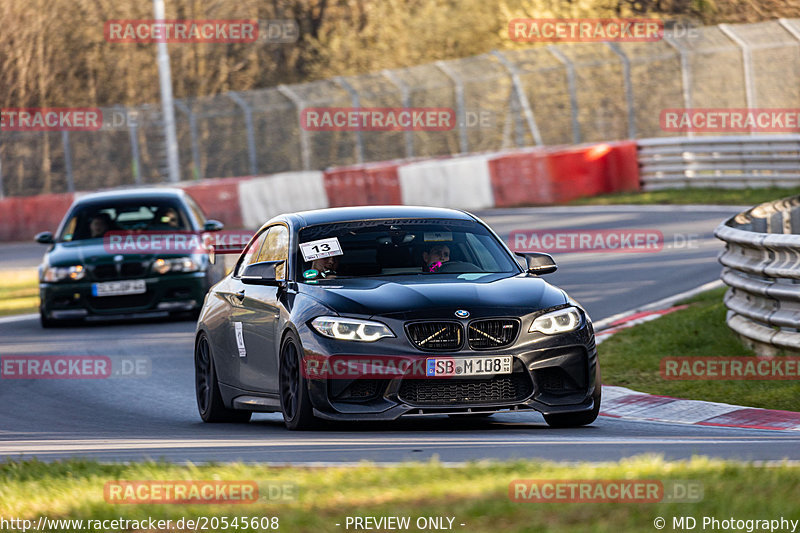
column 371, row 212
column 129, row 194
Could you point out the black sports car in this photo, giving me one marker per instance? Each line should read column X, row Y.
column 124, row 254
column 372, row 313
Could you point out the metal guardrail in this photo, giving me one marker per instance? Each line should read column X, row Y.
column 726, row 162
column 762, row 270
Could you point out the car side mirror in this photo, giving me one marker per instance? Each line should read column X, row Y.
column 213, row 225
column 539, row 263
column 262, row 273
column 44, row 237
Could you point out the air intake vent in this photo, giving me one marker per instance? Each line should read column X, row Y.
column 492, row 333
column 435, row 335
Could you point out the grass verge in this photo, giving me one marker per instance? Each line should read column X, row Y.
column 632, row 357
column 19, row 292
column 692, row 196
column 476, row 495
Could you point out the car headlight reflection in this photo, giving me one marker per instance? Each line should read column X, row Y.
column 178, row 264
column 561, row 321
column 351, row 329
column 72, row 273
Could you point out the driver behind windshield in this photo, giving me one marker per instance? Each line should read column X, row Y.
column 434, row 256
column 99, row 225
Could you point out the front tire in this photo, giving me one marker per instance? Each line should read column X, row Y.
column 209, row 399
column 298, row 413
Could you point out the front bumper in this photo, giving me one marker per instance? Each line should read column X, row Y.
column 164, row 295
column 551, row 375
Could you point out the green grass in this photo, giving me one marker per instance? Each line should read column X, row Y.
column 692, row 196
column 19, row 292
column 476, row 494
column 631, row 357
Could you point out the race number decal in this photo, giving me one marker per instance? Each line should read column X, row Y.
column 321, row 248
column 237, row 326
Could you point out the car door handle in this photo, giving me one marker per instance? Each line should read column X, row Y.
column 240, row 295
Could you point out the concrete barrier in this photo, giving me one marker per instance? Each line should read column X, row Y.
column 263, row 198
column 363, row 185
column 23, row 217
column 219, row 199
column 522, row 178
column 462, row 182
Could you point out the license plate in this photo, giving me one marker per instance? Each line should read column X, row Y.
column 468, row 366
column 118, row 288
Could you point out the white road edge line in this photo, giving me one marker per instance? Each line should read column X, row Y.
column 18, row 318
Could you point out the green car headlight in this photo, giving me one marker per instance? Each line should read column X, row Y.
column 55, row 274
column 178, row 264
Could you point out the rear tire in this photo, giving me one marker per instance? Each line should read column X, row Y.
column 209, row 399
column 298, row 413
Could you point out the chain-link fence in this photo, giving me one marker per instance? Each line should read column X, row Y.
column 545, row 95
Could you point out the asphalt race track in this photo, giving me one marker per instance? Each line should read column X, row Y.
column 154, row 416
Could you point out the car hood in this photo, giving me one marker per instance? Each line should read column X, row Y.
column 413, row 297
column 90, row 252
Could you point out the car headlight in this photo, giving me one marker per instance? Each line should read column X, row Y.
column 178, row 264
column 72, row 273
column 351, row 329
column 561, row 321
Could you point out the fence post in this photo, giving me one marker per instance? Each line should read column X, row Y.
column 405, row 95
column 461, row 112
column 626, row 72
column 686, row 74
column 788, row 27
column 521, row 97
column 133, row 136
column 251, row 138
column 181, row 105
column 573, row 91
column 354, row 98
column 68, row 160
column 297, row 101
column 747, row 64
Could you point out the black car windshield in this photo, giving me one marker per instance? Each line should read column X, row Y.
column 95, row 219
column 399, row 247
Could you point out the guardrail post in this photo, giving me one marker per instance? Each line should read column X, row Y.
column 686, row 74
column 747, row 64
column 573, row 91
column 68, row 160
column 356, row 100
column 521, row 97
column 305, row 146
column 251, row 139
column 462, row 112
column 626, row 71
column 181, row 105
column 405, row 95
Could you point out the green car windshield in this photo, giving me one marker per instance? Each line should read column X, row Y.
column 399, row 247
column 94, row 220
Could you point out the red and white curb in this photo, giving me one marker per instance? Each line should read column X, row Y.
column 619, row 402
column 634, row 319
column 623, row 403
